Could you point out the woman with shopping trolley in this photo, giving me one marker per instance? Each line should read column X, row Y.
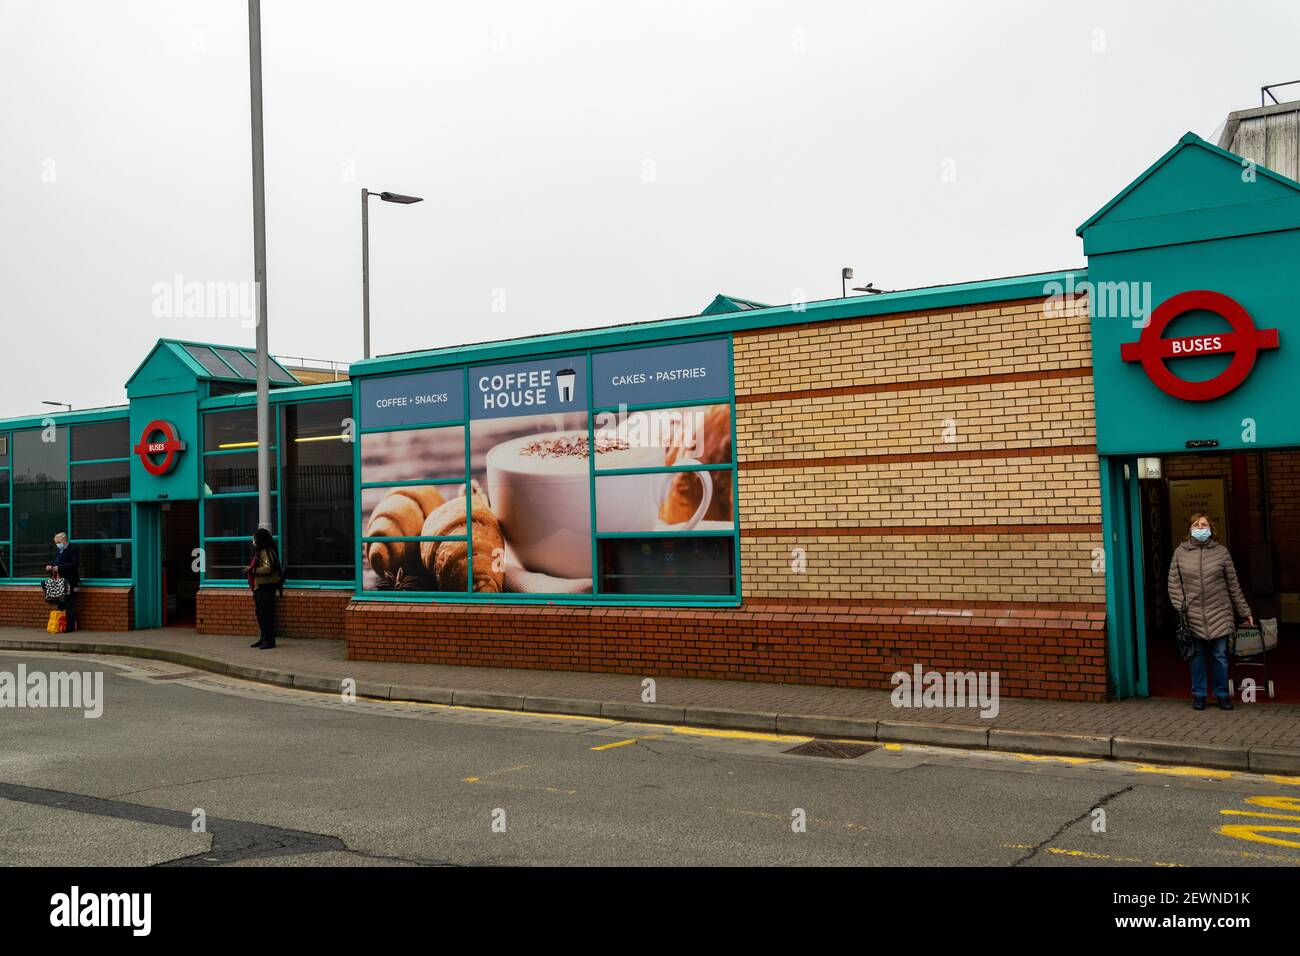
column 1204, row 590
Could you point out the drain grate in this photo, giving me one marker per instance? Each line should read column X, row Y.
column 831, row 748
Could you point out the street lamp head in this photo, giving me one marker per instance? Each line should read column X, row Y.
column 399, row 198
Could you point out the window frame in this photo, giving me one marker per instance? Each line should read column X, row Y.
column 277, row 466
column 6, row 519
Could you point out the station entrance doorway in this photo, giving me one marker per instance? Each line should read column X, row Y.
column 1253, row 500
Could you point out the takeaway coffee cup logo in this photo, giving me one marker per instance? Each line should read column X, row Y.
column 564, row 380
column 159, row 438
column 1244, row 343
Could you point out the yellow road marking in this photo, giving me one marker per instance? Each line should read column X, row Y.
column 1276, row 803
column 735, row 734
column 630, row 740
column 1087, row 855
column 1051, row 758
column 1183, row 771
column 1255, row 833
column 1257, row 813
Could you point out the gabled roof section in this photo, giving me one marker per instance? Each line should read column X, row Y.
column 1193, row 175
column 725, row 304
column 175, row 358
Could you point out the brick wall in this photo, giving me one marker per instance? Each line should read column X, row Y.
column 302, row 612
column 98, row 608
column 918, row 487
column 1059, row 654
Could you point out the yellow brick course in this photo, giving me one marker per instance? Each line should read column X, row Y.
column 985, row 416
column 933, row 567
column 1017, row 337
column 1059, row 489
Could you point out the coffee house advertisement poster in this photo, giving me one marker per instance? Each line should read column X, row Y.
column 530, row 460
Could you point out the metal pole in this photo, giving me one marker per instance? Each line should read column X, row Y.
column 259, row 268
column 365, row 272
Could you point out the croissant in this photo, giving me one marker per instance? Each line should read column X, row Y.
column 399, row 514
column 445, row 560
column 684, row 491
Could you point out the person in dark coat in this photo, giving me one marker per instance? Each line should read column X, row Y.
column 1203, row 577
column 266, row 578
column 67, row 562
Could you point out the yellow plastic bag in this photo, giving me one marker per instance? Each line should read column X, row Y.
column 58, row 622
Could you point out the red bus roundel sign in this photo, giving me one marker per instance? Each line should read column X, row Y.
column 1243, row 342
column 159, row 447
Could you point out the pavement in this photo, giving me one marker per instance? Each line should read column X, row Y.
column 1259, row 738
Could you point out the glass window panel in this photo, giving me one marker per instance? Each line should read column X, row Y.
column 238, row 362
column 101, row 440
column 667, row 566
column 4, row 561
column 414, row 453
column 236, row 428
column 232, row 517
column 214, row 366
column 4, row 448
column 216, row 389
column 101, row 521
column 105, row 560
column 318, row 492
column 665, row 501
column 231, row 474
column 226, row 560
column 408, row 512
column 402, row 512
column 103, row 480
column 277, row 372
column 664, row 436
column 40, row 498
column 4, row 495
column 534, row 470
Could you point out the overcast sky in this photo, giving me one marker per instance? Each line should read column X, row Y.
column 582, row 164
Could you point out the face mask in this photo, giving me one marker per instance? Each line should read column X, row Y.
column 61, row 546
column 1201, row 534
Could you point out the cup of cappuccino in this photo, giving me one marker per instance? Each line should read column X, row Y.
column 539, row 489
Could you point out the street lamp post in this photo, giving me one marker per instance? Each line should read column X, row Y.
column 365, row 255
column 259, row 267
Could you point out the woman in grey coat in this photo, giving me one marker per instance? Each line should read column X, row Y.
column 1202, row 576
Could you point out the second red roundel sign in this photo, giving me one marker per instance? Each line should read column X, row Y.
column 1243, row 342
column 159, row 448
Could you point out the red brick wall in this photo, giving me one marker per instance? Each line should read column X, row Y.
column 1058, row 654
column 302, row 612
column 98, row 608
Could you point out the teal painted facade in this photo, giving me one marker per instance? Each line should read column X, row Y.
column 1192, row 222
column 1199, row 218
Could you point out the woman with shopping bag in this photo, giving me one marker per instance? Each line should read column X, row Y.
column 1204, row 590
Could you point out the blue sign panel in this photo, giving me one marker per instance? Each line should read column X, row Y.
column 688, row 372
column 528, row 388
column 426, row 398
